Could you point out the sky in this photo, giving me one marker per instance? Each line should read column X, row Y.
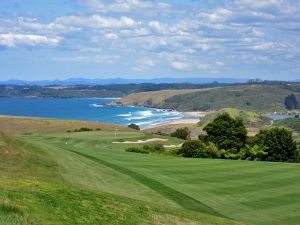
column 59, row 39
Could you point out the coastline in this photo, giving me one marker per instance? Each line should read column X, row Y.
column 173, row 123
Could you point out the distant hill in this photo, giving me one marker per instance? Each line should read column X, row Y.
column 250, row 97
column 250, row 119
column 83, row 81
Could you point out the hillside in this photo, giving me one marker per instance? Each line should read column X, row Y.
column 155, row 98
column 254, row 97
column 250, row 119
column 257, row 98
column 18, row 124
column 84, row 178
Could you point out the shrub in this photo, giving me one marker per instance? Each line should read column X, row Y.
column 279, row 143
column 198, row 149
column 256, row 152
column 226, row 132
column 154, row 147
column 182, row 133
column 137, row 150
column 212, row 151
column 134, row 126
column 83, row 129
column 190, row 148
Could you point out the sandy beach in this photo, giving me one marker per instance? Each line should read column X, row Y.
column 174, row 123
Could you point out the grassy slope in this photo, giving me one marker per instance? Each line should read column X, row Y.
column 155, row 97
column 251, row 192
column 16, row 124
column 250, row 119
column 44, row 184
column 258, row 98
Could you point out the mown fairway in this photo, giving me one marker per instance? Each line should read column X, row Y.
column 82, row 178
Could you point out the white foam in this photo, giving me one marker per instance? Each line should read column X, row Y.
column 97, row 105
column 125, row 115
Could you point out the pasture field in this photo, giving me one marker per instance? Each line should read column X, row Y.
column 83, row 178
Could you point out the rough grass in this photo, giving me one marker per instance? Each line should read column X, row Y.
column 16, row 125
column 96, row 182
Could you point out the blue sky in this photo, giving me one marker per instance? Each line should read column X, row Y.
column 58, row 39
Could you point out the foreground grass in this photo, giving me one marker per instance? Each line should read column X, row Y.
column 58, row 186
column 251, row 192
column 82, row 178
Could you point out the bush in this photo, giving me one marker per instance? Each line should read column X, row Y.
column 154, row 147
column 190, row 148
column 198, row 149
column 279, row 142
column 83, row 129
column 134, row 126
column 137, row 150
column 226, row 132
column 212, row 151
column 256, row 152
column 182, row 133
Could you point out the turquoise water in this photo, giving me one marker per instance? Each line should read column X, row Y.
column 87, row 109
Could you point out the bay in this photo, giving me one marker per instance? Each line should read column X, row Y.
column 88, row 109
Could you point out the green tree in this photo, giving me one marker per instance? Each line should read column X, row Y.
column 134, row 126
column 226, row 132
column 279, row 143
column 182, row 133
column 190, row 148
column 291, row 102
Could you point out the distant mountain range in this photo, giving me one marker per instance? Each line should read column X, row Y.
column 83, row 81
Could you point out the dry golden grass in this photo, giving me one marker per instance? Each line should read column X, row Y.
column 155, row 97
column 15, row 125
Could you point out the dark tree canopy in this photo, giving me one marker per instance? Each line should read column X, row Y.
column 279, row 142
column 182, row 133
column 134, row 126
column 291, row 102
column 226, row 132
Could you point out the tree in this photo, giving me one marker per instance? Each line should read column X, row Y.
column 134, row 126
column 190, row 148
column 182, row 133
column 226, row 132
column 279, row 144
column 291, row 102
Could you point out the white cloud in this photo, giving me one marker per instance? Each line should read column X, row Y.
column 260, row 4
column 143, row 65
column 31, row 24
column 180, row 65
column 111, row 36
column 13, row 40
column 99, row 59
column 157, row 26
column 96, row 21
column 126, row 6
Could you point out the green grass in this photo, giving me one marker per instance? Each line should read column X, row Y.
column 92, row 181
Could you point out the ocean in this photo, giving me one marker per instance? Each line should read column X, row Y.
column 88, row 109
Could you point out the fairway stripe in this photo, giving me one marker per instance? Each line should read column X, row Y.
column 180, row 198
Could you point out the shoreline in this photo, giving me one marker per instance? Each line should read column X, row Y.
column 174, row 122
